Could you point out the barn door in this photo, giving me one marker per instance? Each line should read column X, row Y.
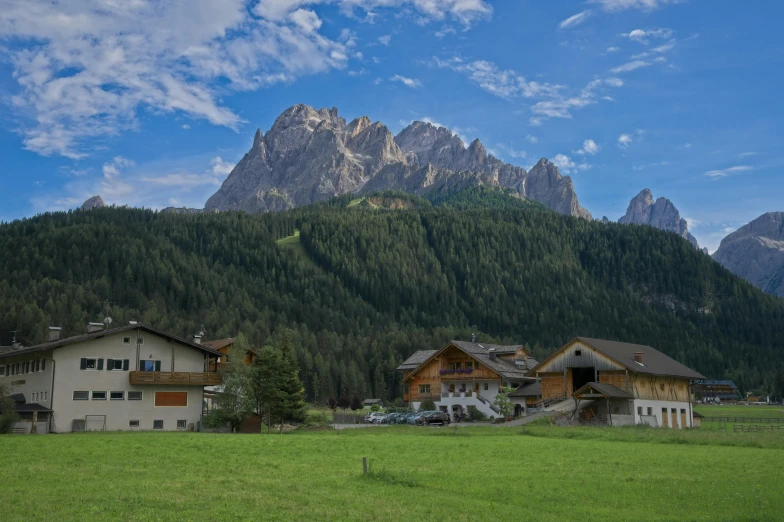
column 683, row 419
column 674, row 418
column 665, row 418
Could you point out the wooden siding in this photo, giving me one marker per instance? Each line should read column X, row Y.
column 552, row 385
column 567, row 358
column 177, row 378
column 430, row 374
column 619, row 379
column 171, row 398
column 660, row 387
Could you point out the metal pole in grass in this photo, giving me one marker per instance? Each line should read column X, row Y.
column 364, row 465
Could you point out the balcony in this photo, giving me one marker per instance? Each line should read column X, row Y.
column 176, row 378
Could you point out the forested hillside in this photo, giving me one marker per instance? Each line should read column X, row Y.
column 372, row 285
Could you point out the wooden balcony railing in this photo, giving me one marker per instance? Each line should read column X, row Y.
column 202, row 379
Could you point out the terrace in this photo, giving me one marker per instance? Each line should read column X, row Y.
column 176, row 378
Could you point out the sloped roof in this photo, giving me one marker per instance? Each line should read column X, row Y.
column 718, row 382
column 416, row 359
column 653, row 361
column 608, row 390
column 533, row 389
column 479, row 351
column 217, row 344
column 103, row 333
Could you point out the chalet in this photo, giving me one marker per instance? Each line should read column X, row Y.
column 463, row 374
column 714, row 390
column 134, row 377
column 223, row 346
column 619, row 383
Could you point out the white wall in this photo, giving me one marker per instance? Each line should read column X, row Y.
column 657, row 412
column 35, row 386
column 69, row 378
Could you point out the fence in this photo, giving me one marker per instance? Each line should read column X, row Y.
column 763, row 420
column 347, row 418
column 756, row 427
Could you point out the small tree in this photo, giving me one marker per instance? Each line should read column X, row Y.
column 344, row 402
column 234, row 401
column 375, row 407
column 502, row 402
column 427, row 405
column 8, row 415
column 356, row 404
column 332, row 402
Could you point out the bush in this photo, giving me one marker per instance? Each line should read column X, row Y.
column 427, row 405
column 474, row 415
column 375, row 408
column 356, row 403
column 9, row 417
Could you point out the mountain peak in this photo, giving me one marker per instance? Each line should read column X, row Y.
column 93, row 202
column 661, row 214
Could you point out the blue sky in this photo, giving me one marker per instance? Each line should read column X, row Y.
column 151, row 103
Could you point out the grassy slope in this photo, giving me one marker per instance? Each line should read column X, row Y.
column 417, row 474
column 293, row 245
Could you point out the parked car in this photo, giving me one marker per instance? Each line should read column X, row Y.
column 413, row 418
column 375, row 417
column 403, row 419
column 392, row 418
column 433, row 417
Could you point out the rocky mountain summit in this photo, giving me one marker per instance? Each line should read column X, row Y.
column 93, row 202
column 311, row 155
column 661, row 213
column 755, row 252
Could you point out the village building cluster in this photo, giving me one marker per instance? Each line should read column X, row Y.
column 136, row 377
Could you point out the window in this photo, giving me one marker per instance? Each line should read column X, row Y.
column 181, row 424
column 639, row 410
column 89, row 363
column 487, row 386
column 117, row 365
column 43, row 365
column 81, row 395
column 454, row 366
column 134, row 395
column 133, row 423
column 99, row 395
column 578, row 353
column 424, row 389
column 127, row 340
column 683, row 411
column 45, row 395
column 157, row 424
column 27, row 367
column 469, row 365
column 140, row 340
column 650, row 411
column 2, row 370
column 149, row 366
column 116, row 396
column 38, row 365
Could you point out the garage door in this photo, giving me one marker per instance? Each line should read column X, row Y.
column 171, row 398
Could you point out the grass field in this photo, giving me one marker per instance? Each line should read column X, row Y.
column 738, row 412
column 292, row 244
column 474, row 473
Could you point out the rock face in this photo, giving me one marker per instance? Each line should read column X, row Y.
column 311, row 155
column 755, row 252
column 93, row 202
column 662, row 214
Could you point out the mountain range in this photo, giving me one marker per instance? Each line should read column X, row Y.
column 311, row 155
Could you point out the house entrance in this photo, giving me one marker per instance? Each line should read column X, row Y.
column 581, row 377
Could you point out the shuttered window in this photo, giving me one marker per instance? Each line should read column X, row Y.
column 171, row 398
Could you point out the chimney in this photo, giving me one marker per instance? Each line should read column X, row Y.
column 492, row 354
column 94, row 327
column 197, row 338
column 473, row 337
column 638, row 357
column 54, row 333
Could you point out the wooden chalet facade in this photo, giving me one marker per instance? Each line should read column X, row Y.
column 619, row 383
column 463, row 374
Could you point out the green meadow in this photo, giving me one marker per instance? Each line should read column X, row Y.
column 472, row 473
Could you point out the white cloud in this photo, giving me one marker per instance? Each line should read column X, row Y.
column 532, row 139
column 746, row 154
column 511, row 151
column 220, row 167
column 630, row 66
column 408, row 82
column 566, row 165
column 499, row 82
column 644, row 36
column 723, row 173
column 589, row 147
column 613, row 49
column 562, row 106
column 575, row 20
column 622, row 5
column 88, row 69
column 384, row 40
column 624, row 140
column 186, row 126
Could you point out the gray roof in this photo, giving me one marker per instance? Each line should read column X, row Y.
column 416, row 359
column 372, row 401
column 653, row 361
column 533, row 389
column 481, row 352
column 608, row 390
column 103, row 333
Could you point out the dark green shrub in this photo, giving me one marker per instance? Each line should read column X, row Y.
column 427, row 405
